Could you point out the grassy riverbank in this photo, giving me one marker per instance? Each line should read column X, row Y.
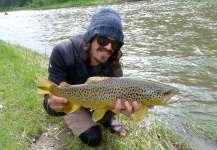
column 21, row 115
column 46, row 5
column 23, row 121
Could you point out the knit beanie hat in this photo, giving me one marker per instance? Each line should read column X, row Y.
column 106, row 21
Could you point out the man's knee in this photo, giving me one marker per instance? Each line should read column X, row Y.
column 92, row 136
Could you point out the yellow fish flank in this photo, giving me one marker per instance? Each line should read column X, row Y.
column 101, row 93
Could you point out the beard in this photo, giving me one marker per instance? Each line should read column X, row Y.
column 102, row 58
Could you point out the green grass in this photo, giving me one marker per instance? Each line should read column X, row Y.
column 23, row 117
column 23, row 114
column 154, row 136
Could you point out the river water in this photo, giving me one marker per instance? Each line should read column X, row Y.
column 173, row 42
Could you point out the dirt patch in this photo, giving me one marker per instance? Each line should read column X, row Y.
column 52, row 138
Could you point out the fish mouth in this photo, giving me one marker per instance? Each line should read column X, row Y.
column 173, row 100
column 169, row 98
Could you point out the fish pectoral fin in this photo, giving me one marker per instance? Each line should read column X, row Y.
column 98, row 114
column 64, row 84
column 72, row 108
column 96, row 79
column 141, row 113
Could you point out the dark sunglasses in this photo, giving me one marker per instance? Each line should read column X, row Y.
column 103, row 41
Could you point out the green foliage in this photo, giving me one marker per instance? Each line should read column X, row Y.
column 6, row 4
column 46, row 4
column 13, row 3
column 40, row 3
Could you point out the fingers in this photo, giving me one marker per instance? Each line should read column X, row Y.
column 117, row 108
column 128, row 109
column 56, row 100
column 58, row 104
column 151, row 107
column 136, row 105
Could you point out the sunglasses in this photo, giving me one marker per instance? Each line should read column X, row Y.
column 103, row 41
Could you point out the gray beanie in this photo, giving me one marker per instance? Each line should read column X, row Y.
column 106, row 21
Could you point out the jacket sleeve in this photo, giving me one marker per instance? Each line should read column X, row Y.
column 58, row 72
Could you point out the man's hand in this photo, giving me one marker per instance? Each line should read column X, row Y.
column 130, row 109
column 59, row 104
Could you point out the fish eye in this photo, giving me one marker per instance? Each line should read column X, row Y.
column 158, row 92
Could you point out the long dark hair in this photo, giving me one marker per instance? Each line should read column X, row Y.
column 114, row 59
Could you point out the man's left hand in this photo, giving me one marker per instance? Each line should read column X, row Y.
column 129, row 108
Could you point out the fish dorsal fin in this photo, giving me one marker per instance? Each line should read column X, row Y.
column 96, row 79
column 64, row 84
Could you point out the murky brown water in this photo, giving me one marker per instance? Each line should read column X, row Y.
column 166, row 41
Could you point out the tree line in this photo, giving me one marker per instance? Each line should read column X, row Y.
column 6, row 4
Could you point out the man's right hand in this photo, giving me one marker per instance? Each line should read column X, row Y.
column 59, row 104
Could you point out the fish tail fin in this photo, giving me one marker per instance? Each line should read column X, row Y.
column 44, row 85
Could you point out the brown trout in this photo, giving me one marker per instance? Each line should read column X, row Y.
column 101, row 93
